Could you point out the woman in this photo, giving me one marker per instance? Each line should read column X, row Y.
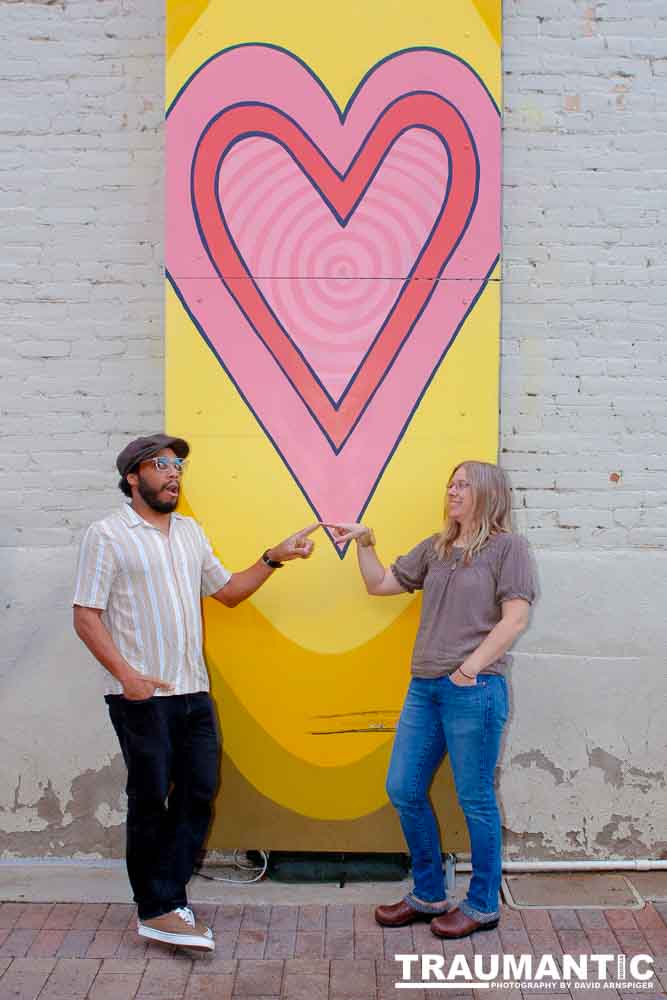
column 478, row 585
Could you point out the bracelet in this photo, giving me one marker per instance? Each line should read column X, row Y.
column 471, row 677
column 367, row 539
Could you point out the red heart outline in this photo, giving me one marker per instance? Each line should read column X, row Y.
column 342, row 192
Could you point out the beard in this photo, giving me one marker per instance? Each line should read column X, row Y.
column 151, row 497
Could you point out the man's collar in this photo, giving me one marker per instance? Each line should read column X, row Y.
column 134, row 520
column 130, row 516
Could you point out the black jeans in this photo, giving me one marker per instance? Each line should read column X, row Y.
column 171, row 749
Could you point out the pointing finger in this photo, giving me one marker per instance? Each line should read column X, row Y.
column 308, row 531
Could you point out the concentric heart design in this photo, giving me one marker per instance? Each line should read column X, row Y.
column 333, row 355
column 312, row 269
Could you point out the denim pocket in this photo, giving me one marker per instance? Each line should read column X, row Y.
column 463, row 687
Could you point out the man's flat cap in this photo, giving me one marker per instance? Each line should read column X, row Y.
column 145, row 447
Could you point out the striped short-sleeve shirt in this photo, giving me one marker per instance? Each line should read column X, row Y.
column 149, row 587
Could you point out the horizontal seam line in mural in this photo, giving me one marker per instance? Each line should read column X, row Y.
column 347, row 715
column 377, row 730
column 334, row 277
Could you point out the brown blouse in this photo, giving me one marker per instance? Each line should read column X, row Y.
column 461, row 604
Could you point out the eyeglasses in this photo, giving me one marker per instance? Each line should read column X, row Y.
column 458, row 487
column 162, row 463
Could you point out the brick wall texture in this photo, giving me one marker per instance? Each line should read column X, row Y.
column 584, row 412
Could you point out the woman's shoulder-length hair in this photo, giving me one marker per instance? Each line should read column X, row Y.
column 492, row 509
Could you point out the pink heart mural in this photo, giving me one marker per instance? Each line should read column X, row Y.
column 330, row 259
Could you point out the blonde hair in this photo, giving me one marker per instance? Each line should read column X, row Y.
column 492, row 509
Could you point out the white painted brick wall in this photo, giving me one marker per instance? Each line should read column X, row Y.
column 585, row 211
column 584, row 369
column 81, row 167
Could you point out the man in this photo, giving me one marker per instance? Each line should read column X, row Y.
column 137, row 606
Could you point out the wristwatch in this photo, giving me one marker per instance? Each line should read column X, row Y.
column 271, row 563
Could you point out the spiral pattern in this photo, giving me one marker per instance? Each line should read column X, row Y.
column 331, row 286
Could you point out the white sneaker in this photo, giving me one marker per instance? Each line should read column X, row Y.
column 178, row 927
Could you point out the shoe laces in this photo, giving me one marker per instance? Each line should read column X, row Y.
column 185, row 913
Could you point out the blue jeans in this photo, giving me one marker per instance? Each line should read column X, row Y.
column 440, row 717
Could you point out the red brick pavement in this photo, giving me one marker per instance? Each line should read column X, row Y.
column 68, row 951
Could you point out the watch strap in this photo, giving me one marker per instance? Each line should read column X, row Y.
column 271, row 563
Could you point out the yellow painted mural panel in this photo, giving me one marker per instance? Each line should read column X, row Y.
column 332, row 335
